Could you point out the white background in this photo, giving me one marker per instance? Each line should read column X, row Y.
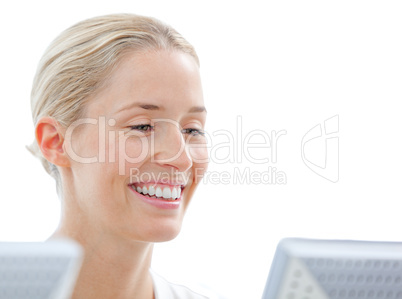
column 280, row 65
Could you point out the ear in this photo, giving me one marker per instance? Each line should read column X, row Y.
column 50, row 141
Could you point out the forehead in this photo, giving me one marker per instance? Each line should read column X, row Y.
column 163, row 78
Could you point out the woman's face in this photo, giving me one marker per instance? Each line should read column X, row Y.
column 139, row 153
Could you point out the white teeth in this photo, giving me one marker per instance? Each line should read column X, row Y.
column 167, row 193
column 151, row 190
column 174, row 193
column 158, row 192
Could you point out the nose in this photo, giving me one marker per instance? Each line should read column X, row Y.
column 170, row 149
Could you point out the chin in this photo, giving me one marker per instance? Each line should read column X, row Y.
column 164, row 238
column 158, row 231
column 165, row 233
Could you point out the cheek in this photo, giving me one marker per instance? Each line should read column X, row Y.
column 199, row 155
column 82, row 145
column 132, row 152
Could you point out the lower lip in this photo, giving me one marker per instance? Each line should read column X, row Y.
column 159, row 203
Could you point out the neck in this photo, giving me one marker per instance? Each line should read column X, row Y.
column 111, row 268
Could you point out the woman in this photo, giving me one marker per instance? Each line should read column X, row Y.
column 119, row 116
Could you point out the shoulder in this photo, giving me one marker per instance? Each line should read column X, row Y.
column 166, row 290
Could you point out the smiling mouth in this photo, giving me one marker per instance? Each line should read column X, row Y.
column 157, row 191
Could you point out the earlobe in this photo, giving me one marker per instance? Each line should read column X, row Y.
column 50, row 141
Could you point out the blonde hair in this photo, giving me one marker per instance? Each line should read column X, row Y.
column 80, row 59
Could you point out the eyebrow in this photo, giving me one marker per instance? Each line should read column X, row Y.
column 195, row 109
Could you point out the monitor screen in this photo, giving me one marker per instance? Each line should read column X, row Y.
column 45, row 270
column 332, row 269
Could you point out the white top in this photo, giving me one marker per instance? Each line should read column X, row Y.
column 164, row 289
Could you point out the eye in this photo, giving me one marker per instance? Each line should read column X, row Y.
column 142, row 128
column 193, row 132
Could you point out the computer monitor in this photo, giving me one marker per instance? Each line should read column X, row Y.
column 45, row 270
column 332, row 269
